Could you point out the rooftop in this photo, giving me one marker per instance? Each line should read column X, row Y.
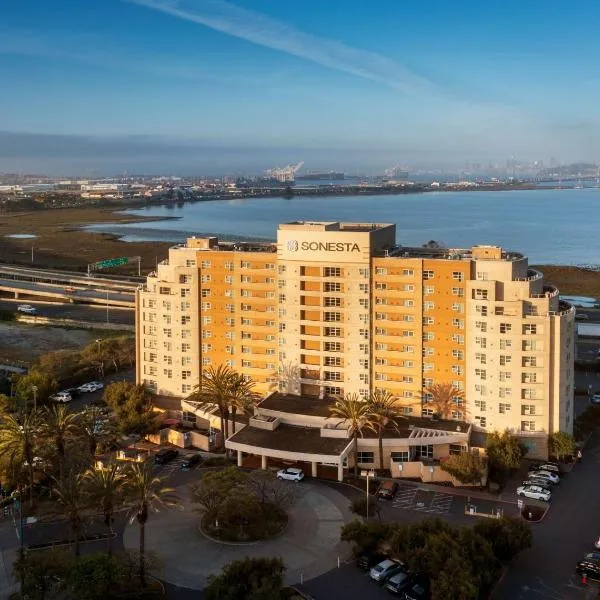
column 299, row 405
column 290, row 438
column 334, row 226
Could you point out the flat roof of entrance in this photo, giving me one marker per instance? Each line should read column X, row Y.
column 290, row 438
column 299, row 405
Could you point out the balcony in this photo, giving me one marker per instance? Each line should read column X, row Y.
column 532, row 275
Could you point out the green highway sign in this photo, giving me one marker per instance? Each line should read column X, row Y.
column 111, row 262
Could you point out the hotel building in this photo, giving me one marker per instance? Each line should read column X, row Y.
column 336, row 308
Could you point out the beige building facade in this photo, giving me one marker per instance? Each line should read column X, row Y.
column 336, row 308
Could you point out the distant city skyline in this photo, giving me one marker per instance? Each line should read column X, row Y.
column 208, row 86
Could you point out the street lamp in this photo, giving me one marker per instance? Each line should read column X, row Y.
column 34, row 389
column 368, row 475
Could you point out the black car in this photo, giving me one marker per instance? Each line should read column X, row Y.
column 165, row 455
column 367, row 560
column 418, row 589
column 189, row 462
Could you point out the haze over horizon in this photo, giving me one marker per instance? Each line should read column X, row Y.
column 209, row 86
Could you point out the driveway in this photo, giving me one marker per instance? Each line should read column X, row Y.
column 310, row 545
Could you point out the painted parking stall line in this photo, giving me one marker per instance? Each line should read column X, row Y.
column 405, row 498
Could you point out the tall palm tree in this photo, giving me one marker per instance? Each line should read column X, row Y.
column 105, row 488
column 443, row 398
column 19, row 438
column 215, row 388
column 383, row 411
column 90, row 430
column 60, row 426
column 354, row 411
column 72, row 498
column 242, row 397
column 146, row 493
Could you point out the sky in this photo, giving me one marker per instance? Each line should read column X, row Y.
column 209, row 86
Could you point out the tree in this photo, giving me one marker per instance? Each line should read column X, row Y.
column 104, row 488
column 561, row 444
column 216, row 388
column 269, row 491
column 59, row 425
column 133, row 407
column 366, row 536
column 72, row 499
column 383, row 411
column 508, row 536
column 216, row 486
column 7, row 404
column 504, row 451
column 242, row 397
column 94, row 428
column 19, row 438
column 354, row 412
column 43, row 573
column 46, row 385
column 445, row 399
column 96, row 577
column 145, row 493
column 467, row 467
column 248, row 579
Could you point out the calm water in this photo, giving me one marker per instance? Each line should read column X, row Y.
column 550, row 226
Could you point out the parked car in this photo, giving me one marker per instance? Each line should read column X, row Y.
column 590, row 567
column 189, row 462
column 368, row 560
column 385, row 569
column 537, row 482
column 387, row 489
column 419, row 588
column 291, row 474
column 595, row 399
column 165, row 455
column 91, row 386
column 75, row 392
column 27, row 309
column 551, row 477
column 61, row 397
column 534, row 491
column 581, row 316
column 551, row 467
column 398, row 583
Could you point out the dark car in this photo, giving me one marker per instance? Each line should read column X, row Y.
column 387, row 490
column 165, row 455
column 189, row 462
column 74, row 391
column 367, row 560
column 589, row 566
column 418, row 589
column 399, row 582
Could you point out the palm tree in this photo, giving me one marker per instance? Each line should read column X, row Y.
column 146, row 493
column 89, row 428
column 443, row 398
column 216, row 385
column 354, row 411
column 72, row 499
column 60, row 426
column 383, row 411
column 242, row 396
column 105, row 488
column 19, row 438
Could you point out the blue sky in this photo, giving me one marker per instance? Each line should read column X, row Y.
column 215, row 86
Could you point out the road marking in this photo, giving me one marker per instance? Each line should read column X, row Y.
column 405, row 498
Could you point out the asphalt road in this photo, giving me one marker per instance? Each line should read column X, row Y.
column 78, row 312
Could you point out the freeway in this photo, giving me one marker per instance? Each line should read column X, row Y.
column 77, row 312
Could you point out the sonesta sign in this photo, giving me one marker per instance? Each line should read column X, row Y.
column 293, row 246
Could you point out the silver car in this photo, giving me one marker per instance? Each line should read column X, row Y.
column 385, row 569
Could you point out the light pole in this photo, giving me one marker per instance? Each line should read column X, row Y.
column 368, row 474
column 34, row 389
column 107, row 306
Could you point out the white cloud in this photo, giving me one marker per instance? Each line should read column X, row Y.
column 272, row 33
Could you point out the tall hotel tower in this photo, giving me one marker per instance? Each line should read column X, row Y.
column 336, row 308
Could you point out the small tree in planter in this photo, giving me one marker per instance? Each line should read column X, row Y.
column 467, row 467
column 561, row 444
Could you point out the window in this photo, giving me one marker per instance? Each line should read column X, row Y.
column 206, row 333
column 428, row 305
column 381, row 361
column 329, row 301
column 192, row 263
column 281, row 268
column 425, row 451
column 364, row 363
column 203, row 279
column 408, row 333
column 458, row 307
column 458, row 323
column 185, row 319
column 531, row 346
column 333, row 390
column 380, row 346
column 528, row 394
column 503, row 408
column 481, row 325
column 167, row 333
column 481, row 342
column 481, row 389
column 332, row 286
column 364, row 333
column 247, row 364
column 408, row 272
column 505, row 344
column 186, row 374
column 205, row 306
column 332, row 272
column 333, row 347
column 528, row 409
column 505, row 359
column 505, row 327
column 458, row 276
column 164, row 290
column 528, row 377
column 428, row 366
column 458, row 338
column 482, row 421
column 333, row 376
column 428, row 274
column 456, row 449
column 186, row 388
column 185, row 347
column 529, row 361
column 332, row 316
column 481, row 310
column 504, row 375
column 481, row 294
column 428, row 320
column 245, row 264
column 246, row 294
column 528, row 426
column 400, row 456
column 481, row 357
column 168, row 359
column 333, row 331
column 380, row 271
column 407, row 410
column 481, row 373
column 481, row 276
column 363, row 272
column 364, row 348
column 364, row 302
column 427, row 291
column 529, row 329
column 408, row 287
column 363, row 287
column 333, row 361
column 427, row 412
column 204, row 293
column 366, row 457
column 186, row 360
column 408, row 303
column 206, row 320
column 428, row 352
column 457, row 369
column 380, row 286
column 186, row 292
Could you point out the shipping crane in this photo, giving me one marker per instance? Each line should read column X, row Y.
column 285, row 174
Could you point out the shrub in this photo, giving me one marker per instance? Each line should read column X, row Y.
column 359, row 506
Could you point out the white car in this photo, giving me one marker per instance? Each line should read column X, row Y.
column 62, row 397
column 92, row 386
column 534, row 491
column 595, row 399
column 541, row 474
column 291, row 474
column 27, row 308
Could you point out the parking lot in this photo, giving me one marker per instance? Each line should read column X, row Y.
column 432, row 503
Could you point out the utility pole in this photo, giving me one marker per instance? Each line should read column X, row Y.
column 107, row 306
column 32, row 254
column 34, row 389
